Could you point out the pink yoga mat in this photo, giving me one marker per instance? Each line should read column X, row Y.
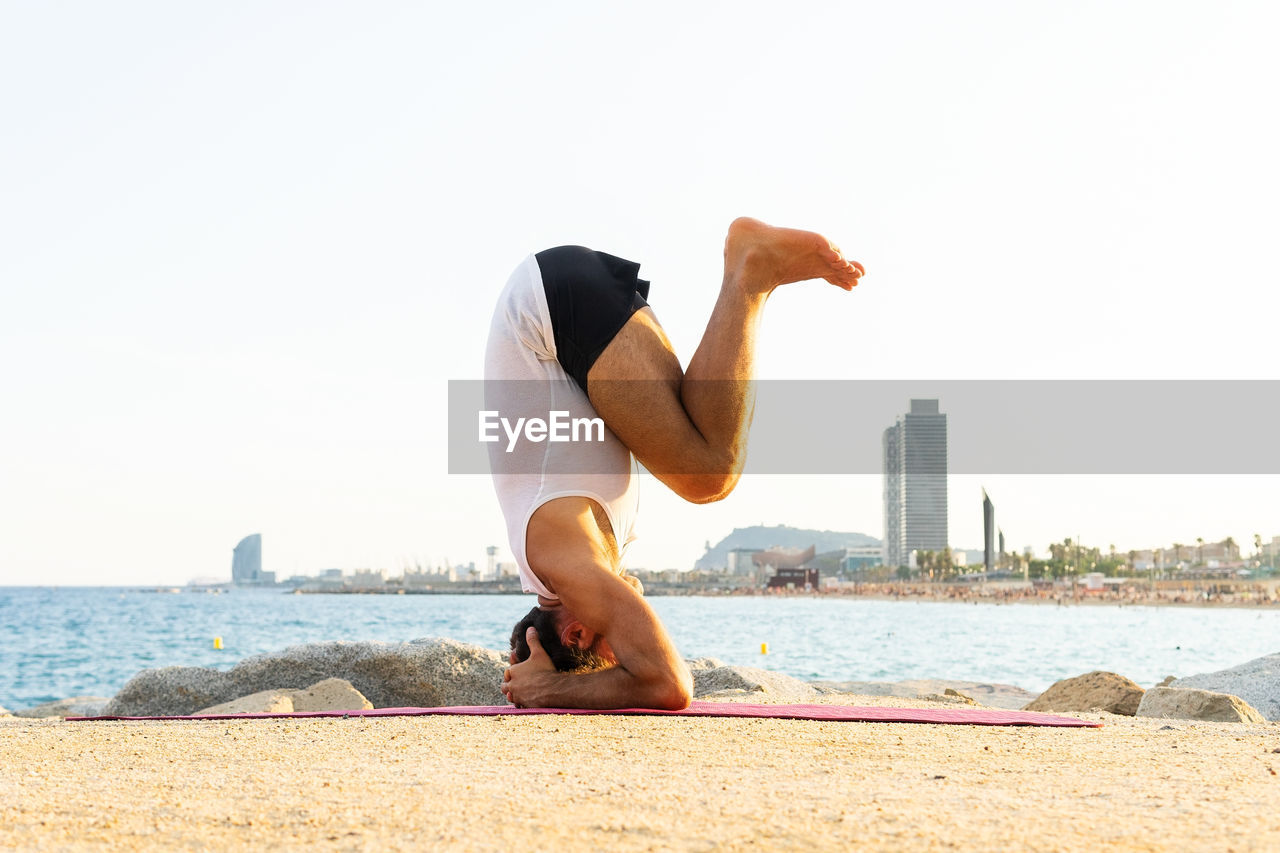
column 832, row 713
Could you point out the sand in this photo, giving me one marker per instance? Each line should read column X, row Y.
column 637, row 783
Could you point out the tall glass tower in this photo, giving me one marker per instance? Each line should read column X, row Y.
column 246, row 561
column 915, row 483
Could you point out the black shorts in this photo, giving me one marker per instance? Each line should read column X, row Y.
column 590, row 296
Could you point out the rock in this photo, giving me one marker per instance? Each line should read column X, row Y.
column 1093, row 691
column 75, row 706
column 703, row 663
column 423, row 673
column 991, row 695
column 958, row 695
column 1187, row 703
column 332, row 694
column 1168, row 679
column 947, row 699
column 264, row 702
column 4, row 712
column 1256, row 682
column 747, row 680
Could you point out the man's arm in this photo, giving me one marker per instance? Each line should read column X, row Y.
column 567, row 551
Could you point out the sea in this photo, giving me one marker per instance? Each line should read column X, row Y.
column 57, row 642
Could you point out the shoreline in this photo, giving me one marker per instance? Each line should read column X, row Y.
column 941, row 596
column 1267, row 599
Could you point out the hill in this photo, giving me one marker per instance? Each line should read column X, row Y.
column 781, row 536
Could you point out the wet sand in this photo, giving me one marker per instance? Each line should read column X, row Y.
column 637, row 783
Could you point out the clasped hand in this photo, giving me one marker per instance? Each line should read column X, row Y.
column 531, row 683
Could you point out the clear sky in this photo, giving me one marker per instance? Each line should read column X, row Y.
column 243, row 247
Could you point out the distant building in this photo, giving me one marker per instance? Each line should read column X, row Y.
column 784, row 558
column 857, row 559
column 422, row 579
column 740, row 562
column 246, row 563
column 1208, row 554
column 988, row 532
column 915, row 483
column 893, row 551
column 794, row 578
column 789, row 564
column 368, row 579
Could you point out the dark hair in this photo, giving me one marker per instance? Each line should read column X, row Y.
column 565, row 658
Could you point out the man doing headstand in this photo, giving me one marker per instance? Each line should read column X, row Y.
column 573, row 333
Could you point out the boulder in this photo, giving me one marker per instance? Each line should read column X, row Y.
column 1256, row 682
column 75, row 706
column 332, row 694
column 1093, row 691
column 422, row 673
column 989, row 694
column 1168, row 679
column 739, row 680
column 264, row 702
column 703, row 663
column 1188, row 703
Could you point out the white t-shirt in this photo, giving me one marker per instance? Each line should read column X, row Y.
column 524, row 379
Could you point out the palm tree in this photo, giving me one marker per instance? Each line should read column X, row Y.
column 1177, row 550
column 1229, row 545
column 1200, row 550
column 1257, row 546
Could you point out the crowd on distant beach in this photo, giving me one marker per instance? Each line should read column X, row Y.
column 1239, row 595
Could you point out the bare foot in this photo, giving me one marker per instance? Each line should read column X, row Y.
column 760, row 257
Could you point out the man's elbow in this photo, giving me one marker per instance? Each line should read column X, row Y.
column 676, row 693
column 706, row 488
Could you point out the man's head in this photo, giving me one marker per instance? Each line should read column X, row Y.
column 572, row 646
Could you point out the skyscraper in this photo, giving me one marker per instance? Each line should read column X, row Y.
column 989, row 533
column 246, row 563
column 915, row 483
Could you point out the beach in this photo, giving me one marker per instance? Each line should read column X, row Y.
column 638, row 783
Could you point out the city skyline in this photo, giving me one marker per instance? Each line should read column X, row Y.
column 247, row 558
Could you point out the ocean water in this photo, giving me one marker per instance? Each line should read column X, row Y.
column 59, row 642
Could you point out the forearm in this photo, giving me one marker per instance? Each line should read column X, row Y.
column 610, row 688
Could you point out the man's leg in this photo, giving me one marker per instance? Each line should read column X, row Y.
column 690, row 428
